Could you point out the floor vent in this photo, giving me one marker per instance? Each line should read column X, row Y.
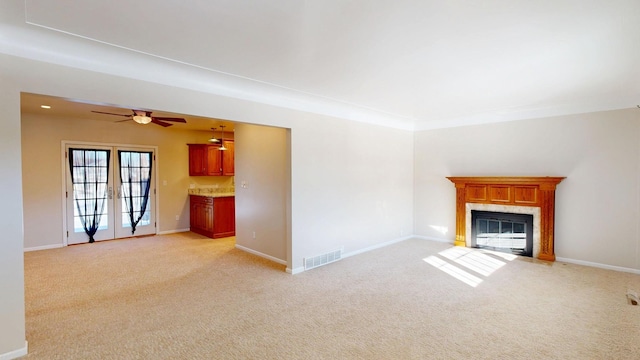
column 331, row 256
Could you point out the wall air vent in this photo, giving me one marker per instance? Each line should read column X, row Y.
column 323, row 259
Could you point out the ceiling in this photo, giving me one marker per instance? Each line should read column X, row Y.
column 76, row 109
column 413, row 64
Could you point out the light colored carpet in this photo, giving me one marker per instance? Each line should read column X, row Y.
column 184, row 296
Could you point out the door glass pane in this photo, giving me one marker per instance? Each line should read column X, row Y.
column 135, row 174
column 90, row 176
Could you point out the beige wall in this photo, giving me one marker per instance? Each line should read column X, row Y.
column 262, row 165
column 12, row 309
column 352, row 186
column 597, row 208
column 351, row 183
column 42, row 170
column 338, row 167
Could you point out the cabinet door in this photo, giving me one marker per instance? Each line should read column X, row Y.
column 193, row 212
column 214, row 161
column 197, row 160
column 224, row 222
column 207, row 217
column 228, row 165
column 201, row 215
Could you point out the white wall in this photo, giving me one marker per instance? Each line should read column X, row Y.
column 352, row 186
column 262, row 164
column 597, row 205
column 351, row 183
column 12, row 309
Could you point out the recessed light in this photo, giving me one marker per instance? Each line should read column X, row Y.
column 45, row 106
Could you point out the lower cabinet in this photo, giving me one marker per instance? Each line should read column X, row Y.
column 212, row 217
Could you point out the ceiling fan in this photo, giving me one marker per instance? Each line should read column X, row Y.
column 144, row 117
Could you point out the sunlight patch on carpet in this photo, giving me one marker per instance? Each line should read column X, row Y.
column 462, row 261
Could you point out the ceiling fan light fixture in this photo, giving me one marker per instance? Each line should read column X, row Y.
column 144, row 117
column 141, row 119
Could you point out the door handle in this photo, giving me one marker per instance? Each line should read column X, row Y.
column 110, row 192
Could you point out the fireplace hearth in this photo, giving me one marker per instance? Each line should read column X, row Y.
column 520, row 195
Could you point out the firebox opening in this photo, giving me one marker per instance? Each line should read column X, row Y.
column 505, row 232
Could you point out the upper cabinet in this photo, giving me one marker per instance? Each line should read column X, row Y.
column 209, row 160
column 228, row 166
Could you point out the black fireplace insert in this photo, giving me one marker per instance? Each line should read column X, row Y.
column 505, row 232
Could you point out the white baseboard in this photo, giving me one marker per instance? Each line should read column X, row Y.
column 357, row 252
column 295, row 271
column 377, row 246
column 172, row 231
column 55, row 246
column 560, row 259
column 448, row 241
column 45, row 247
column 16, row 353
column 262, row 255
column 598, row 265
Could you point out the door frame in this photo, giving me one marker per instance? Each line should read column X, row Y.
column 63, row 172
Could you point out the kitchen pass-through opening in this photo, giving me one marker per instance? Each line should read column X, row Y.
column 505, row 232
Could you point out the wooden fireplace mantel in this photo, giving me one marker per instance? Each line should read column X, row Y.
column 516, row 191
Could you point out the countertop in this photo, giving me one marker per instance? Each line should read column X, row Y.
column 214, row 193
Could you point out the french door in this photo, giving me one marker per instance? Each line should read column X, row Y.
column 110, row 192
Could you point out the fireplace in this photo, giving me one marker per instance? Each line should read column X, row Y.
column 505, row 232
column 534, row 196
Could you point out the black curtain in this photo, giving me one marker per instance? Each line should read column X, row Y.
column 135, row 177
column 89, row 175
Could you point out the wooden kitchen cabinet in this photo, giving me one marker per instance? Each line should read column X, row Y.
column 224, row 216
column 201, row 215
column 212, row 217
column 228, row 162
column 197, row 160
column 208, row 160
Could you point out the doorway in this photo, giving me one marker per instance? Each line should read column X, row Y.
column 109, row 192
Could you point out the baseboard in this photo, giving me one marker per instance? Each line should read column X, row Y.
column 16, row 353
column 377, row 246
column 296, row 270
column 598, row 265
column 448, row 241
column 262, row 255
column 560, row 259
column 45, row 247
column 357, row 252
column 55, row 246
column 172, row 231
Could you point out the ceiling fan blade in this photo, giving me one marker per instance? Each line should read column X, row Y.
column 101, row 112
column 124, row 120
column 180, row 120
column 161, row 123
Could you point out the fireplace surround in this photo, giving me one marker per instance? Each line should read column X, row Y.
column 524, row 195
